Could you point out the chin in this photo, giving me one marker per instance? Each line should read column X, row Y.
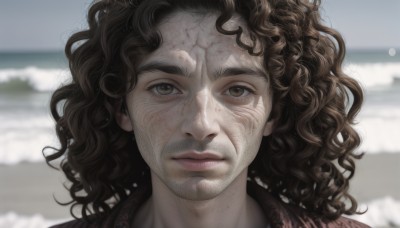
column 198, row 188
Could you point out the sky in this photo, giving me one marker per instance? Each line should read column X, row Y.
column 34, row 25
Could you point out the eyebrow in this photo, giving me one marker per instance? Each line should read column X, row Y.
column 233, row 71
column 223, row 72
column 163, row 67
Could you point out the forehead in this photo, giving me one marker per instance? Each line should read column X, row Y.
column 191, row 37
column 197, row 28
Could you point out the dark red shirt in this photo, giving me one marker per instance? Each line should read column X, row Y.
column 277, row 213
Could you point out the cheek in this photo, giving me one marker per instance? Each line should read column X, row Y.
column 250, row 120
column 149, row 115
column 246, row 127
column 153, row 125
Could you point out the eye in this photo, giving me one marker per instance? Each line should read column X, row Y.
column 238, row 91
column 164, row 89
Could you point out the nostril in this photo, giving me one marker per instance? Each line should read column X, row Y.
column 211, row 136
column 199, row 137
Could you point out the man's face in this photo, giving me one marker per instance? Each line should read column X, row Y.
column 200, row 107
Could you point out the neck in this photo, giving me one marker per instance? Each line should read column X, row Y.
column 232, row 208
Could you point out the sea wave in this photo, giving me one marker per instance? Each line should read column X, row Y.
column 370, row 75
column 379, row 128
column 378, row 122
column 32, row 79
column 13, row 220
column 384, row 212
column 374, row 75
column 25, row 146
column 379, row 135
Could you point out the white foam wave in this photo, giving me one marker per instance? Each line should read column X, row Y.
column 22, row 136
column 13, row 220
column 23, row 139
column 23, row 122
column 372, row 75
column 383, row 212
column 25, row 146
column 379, row 128
column 39, row 79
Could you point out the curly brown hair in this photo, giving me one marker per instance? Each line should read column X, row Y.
column 307, row 161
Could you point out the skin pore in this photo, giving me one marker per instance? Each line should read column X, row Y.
column 199, row 111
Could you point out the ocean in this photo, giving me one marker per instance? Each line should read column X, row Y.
column 28, row 79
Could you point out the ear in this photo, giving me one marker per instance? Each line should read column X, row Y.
column 122, row 118
column 269, row 127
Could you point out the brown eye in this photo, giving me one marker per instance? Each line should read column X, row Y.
column 238, row 91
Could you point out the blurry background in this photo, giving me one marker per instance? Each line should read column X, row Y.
column 32, row 65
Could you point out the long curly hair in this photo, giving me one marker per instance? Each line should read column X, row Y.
column 307, row 161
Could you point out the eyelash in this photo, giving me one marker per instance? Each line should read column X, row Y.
column 245, row 88
column 153, row 89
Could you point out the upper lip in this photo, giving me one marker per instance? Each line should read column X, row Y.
column 199, row 156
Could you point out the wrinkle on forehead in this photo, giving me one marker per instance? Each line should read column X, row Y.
column 202, row 33
column 190, row 40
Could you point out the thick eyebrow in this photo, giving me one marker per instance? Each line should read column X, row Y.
column 163, row 67
column 223, row 72
column 234, row 71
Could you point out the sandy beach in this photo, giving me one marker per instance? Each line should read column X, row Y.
column 28, row 188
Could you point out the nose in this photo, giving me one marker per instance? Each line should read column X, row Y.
column 200, row 117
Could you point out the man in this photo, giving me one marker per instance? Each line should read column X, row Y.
column 207, row 114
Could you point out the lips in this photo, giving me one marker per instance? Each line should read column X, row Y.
column 198, row 161
column 199, row 156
